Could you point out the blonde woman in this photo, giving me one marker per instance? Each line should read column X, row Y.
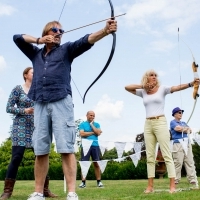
column 156, row 128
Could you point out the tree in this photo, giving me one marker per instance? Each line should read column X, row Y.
column 5, row 154
column 78, row 137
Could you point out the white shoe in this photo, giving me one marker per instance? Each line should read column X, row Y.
column 82, row 185
column 195, row 187
column 35, row 196
column 74, row 196
column 100, row 185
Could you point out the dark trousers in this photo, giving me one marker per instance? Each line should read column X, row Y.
column 17, row 156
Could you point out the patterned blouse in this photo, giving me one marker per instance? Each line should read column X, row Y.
column 23, row 124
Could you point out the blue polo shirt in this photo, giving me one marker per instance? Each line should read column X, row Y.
column 85, row 126
column 52, row 73
column 175, row 134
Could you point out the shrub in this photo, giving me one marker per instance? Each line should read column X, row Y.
column 113, row 171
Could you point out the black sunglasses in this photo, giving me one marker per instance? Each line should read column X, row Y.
column 55, row 30
column 180, row 112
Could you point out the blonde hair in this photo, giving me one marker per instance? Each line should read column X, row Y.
column 48, row 26
column 144, row 80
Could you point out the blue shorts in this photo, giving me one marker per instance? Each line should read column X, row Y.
column 94, row 152
column 55, row 118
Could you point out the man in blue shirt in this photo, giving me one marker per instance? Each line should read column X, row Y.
column 90, row 130
column 51, row 91
column 180, row 130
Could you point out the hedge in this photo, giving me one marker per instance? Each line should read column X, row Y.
column 113, row 171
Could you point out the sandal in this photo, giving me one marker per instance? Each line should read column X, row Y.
column 149, row 191
column 175, row 191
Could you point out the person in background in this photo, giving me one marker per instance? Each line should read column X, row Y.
column 156, row 128
column 180, row 130
column 91, row 130
column 22, row 129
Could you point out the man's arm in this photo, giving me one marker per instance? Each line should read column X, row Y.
column 43, row 40
column 184, row 129
column 29, row 39
column 97, row 131
column 85, row 134
column 25, row 45
column 111, row 26
column 181, row 129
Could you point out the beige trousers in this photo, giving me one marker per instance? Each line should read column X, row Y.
column 156, row 130
column 181, row 158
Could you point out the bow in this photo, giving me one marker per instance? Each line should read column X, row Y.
column 196, row 85
column 111, row 53
column 110, row 56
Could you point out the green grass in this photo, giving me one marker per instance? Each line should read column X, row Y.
column 113, row 190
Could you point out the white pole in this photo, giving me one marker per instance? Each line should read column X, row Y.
column 65, row 188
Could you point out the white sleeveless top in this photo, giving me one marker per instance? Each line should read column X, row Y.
column 154, row 103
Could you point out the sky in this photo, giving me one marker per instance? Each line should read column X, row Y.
column 147, row 38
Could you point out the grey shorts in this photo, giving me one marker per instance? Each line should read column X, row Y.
column 55, row 118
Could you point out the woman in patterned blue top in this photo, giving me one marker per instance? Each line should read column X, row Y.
column 23, row 124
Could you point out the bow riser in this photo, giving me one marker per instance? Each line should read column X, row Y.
column 196, row 76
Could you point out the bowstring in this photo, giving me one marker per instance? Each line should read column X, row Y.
column 180, row 81
column 197, row 96
column 180, row 75
column 62, row 10
column 61, row 56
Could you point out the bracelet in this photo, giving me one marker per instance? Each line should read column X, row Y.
column 37, row 41
column 104, row 32
column 190, row 85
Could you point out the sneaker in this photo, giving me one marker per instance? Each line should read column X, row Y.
column 194, row 187
column 193, row 182
column 35, row 196
column 100, row 185
column 82, row 185
column 72, row 197
column 176, row 182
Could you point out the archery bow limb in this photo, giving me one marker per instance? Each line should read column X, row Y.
column 196, row 76
column 110, row 56
column 112, row 49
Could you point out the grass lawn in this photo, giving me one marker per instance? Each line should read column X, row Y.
column 119, row 189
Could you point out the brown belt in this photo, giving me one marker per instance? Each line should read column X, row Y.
column 156, row 117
